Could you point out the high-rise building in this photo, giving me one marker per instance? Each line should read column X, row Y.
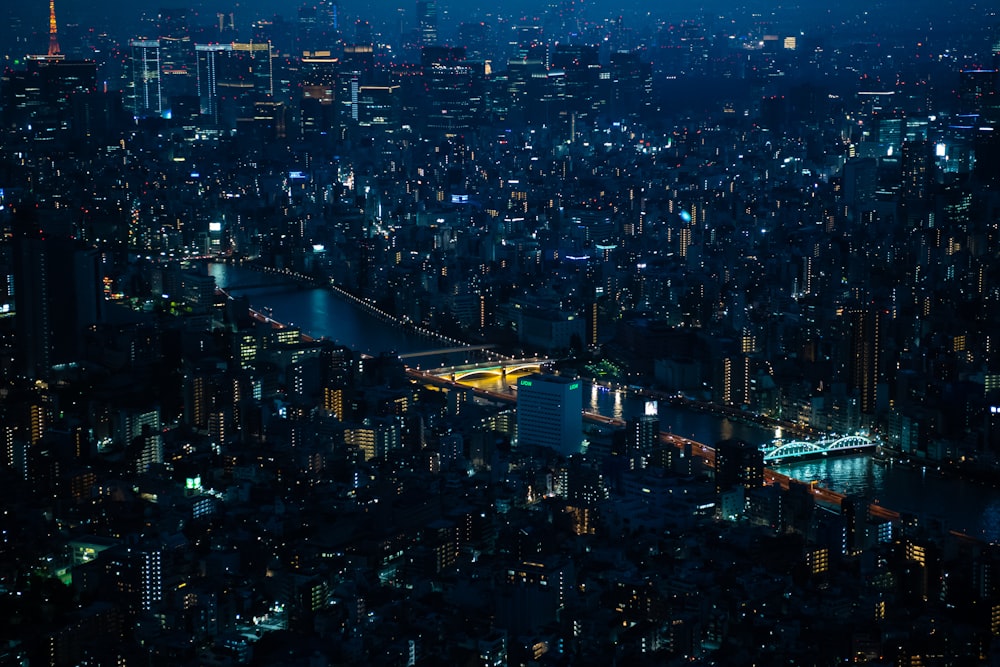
column 453, row 89
column 253, row 68
column 642, row 434
column 176, row 55
column 427, row 15
column 864, row 370
column 318, row 109
column 43, row 94
column 210, row 63
column 550, row 413
column 232, row 79
column 56, row 296
column 145, row 92
column 917, row 164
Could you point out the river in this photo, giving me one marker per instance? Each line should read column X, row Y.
column 965, row 506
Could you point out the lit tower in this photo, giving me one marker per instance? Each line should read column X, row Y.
column 53, row 30
column 427, row 19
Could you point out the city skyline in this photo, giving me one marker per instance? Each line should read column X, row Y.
column 453, row 336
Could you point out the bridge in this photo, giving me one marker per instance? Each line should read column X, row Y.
column 798, row 449
column 491, row 369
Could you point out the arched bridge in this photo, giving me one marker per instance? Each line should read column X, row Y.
column 491, row 369
column 802, row 448
column 497, row 370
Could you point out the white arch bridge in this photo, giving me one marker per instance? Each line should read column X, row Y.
column 849, row 444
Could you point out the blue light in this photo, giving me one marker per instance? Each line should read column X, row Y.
column 685, row 216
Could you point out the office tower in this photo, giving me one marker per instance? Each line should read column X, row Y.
column 317, row 107
column 550, row 413
column 477, row 38
column 453, row 89
column 176, row 55
column 46, row 93
column 210, row 67
column 318, row 26
column 585, row 90
column 251, row 69
column 56, row 295
column 427, row 13
column 379, row 108
column 738, row 464
column 232, row 79
column 356, row 70
column 631, row 82
column 145, row 92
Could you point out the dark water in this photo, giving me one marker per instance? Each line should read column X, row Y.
column 320, row 312
column 971, row 508
column 957, row 504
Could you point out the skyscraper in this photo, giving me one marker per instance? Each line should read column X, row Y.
column 427, row 14
column 56, row 295
column 210, row 65
column 253, row 68
column 176, row 55
column 550, row 413
column 318, row 108
column 145, row 92
column 864, row 355
column 232, row 78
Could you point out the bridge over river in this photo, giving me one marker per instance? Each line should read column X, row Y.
column 782, row 452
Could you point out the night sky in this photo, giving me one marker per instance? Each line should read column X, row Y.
column 112, row 13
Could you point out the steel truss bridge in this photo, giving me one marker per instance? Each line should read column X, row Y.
column 797, row 449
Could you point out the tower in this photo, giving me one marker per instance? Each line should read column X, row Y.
column 176, row 55
column 917, row 176
column 145, row 91
column 427, row 13
column 53, row 30
column 864, row 372
column 550, row 413
column 57, row 295
column 210, row 63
